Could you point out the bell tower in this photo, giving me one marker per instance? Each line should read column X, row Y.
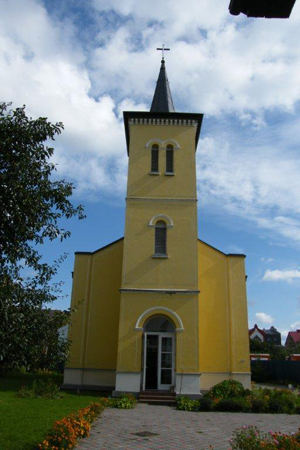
column 160, row 261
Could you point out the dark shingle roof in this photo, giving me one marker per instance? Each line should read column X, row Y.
column 162, row 100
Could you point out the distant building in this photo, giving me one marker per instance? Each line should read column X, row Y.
column 271, row 336
column 293, row 338
column 257, row 334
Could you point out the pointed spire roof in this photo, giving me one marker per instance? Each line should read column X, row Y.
column 162, row 99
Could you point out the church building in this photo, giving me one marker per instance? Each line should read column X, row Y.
column 160, row 309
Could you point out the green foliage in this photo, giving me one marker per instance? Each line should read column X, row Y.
column 232, row 405
column 125, row 401
column 41, row 388
column 184, row 403
column 282, row 402
column 206, row 404
column 250, row 438
column 32, row 203
column 25, row 421
column 227, row 389
column 232, row 397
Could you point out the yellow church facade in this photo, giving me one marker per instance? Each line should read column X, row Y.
column 159, row 310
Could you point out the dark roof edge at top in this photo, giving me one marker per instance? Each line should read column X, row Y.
column 120, row 239
column 161, row 115
column 99, row 249
column 225, row 254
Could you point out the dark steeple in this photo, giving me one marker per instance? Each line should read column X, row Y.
column 162, row 100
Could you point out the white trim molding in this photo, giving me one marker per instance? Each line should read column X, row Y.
column 138, row 326
column 157, row 217
column 162, row 144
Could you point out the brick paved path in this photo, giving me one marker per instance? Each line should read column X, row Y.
column 175, row 430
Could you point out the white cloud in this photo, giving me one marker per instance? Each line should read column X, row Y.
column 281, row 275
column 295, row 326
column 218, row 64
column 266, row 260
column 264, row 318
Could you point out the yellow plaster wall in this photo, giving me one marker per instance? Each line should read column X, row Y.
column 94, row 333
column 180, row 269
column 150, row 195
column 183, row 184
column 223, row 323
column 130, row 341
column 239, row 315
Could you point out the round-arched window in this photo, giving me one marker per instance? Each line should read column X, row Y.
column 160, row 238
column 159, row 324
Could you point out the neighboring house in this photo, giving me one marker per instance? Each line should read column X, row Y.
column 295, row 357
column 162, row 310
column 293, row 338
column 257, row 334
column 63, row 332
column 272, row 336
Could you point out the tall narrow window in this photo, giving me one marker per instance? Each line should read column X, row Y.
column 160, row 238
column 170, row 159
column 154, row 159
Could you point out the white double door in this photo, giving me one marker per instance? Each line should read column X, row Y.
column 159, row 361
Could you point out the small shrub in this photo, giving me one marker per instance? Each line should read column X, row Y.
column 184, row 403
column 227, row 389
column 205, row 404
column 40, row 388
column 259, row 405
column 232, row 405
column 126, row 401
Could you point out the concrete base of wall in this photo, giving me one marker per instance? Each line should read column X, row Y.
column 89, row 378
column 208, row 380
column 127, row 382
column 188, row 384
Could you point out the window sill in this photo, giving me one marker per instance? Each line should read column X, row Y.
column 154, row 173
column 160, row 256
column 170, row 174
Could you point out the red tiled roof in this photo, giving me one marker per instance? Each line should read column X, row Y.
column 258, row 329
column 295, row 335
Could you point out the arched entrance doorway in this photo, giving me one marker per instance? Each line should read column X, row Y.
column 159, row 354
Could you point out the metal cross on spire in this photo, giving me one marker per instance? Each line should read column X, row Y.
column 163, row 49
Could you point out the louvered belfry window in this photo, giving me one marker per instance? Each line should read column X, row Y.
column 170, row 159
column 154, row 159
column 160, row 238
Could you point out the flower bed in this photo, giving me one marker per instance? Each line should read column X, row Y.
column 230, row 395
column 66, row 432
column 250, row 438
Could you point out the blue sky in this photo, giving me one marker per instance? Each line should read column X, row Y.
column 84, row 62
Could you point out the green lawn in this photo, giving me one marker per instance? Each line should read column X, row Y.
column 23, row 421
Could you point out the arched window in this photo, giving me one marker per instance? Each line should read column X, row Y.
column 154, row 159
column 160, row 324
column 170, row 159
column 161, row 238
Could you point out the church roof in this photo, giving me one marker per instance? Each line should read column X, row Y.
column 162, row 99
column 120, row 239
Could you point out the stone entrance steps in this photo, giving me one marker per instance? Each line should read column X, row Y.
column 157, row 397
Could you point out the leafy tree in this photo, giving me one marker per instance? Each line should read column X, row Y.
column 32, row 203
